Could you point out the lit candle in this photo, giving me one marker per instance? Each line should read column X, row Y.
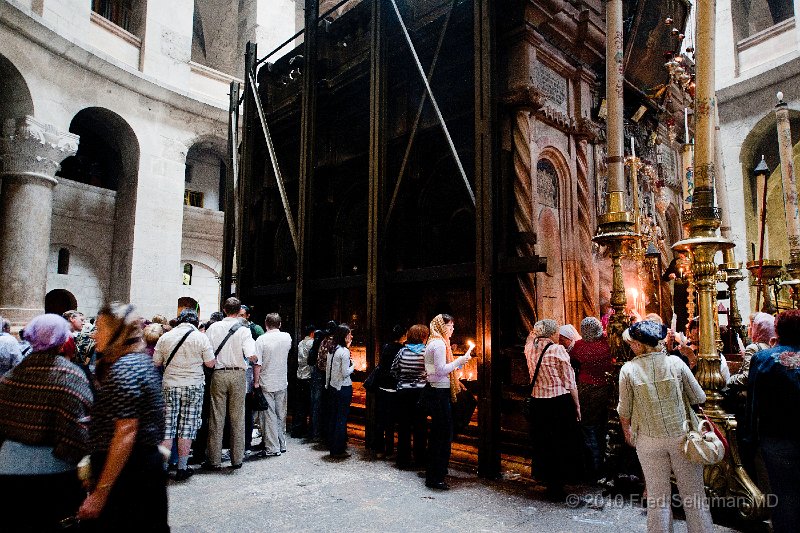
column 471, row 346
column 633, row 150
column 686, row 125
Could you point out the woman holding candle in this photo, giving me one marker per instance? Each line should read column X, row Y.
column 440, row 392
column 555, row 410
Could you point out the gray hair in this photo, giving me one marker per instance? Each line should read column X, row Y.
column 591, row 329
column 545, row 328
column 5, row 325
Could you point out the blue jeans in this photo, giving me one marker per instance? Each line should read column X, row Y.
column 317, row 390
column 782, row 459
column 339, row 409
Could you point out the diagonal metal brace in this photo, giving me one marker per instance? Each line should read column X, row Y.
column 435, row 104
column 418, row 117
column 274, row 160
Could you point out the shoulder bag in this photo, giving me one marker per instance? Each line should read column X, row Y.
column 175, row 349
column 702, row 445
column 231, row 331
column 527, row 405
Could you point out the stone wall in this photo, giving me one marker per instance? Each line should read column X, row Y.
column 83, row 223
column 202, row 248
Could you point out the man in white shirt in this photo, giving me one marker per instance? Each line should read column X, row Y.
column 183, row 351
column 272, row 349
column 233, row 347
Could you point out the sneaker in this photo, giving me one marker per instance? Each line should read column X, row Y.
column 283, row 450
column 183, row 474
column 211, row 467
column 272, row 454
column 235, row 466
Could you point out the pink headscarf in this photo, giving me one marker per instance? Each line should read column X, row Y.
column 46, row 332
column 762, row 327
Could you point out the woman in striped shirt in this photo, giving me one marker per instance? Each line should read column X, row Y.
column 555, row 410
column 409, row 370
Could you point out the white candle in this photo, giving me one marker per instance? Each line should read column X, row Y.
column 633, row 148
column 686, row 125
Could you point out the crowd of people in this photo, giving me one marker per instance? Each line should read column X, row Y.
column 93, row 415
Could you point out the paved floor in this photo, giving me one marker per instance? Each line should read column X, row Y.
column 303, row 490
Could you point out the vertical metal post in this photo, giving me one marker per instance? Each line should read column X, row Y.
column 229, row 224
column 243, row 281
column 377, row 170
column 308, row 113
column 485, row 167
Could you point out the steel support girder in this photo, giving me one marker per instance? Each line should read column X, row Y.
column 435, row 104
column 308, row 112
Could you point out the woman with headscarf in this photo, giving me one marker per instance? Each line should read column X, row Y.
column 568, row 336
column 655, row 391
column 555, row 410
column 44, row 402
column 762, row 333
column 593, row 356
column 130, row 492
column 444, row 385
column 773, row 393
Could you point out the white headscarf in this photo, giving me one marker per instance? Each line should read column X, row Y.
column 569, row 331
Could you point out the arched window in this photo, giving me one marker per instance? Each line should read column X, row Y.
column 63, row 261
column 547, row 182
column 187, row 274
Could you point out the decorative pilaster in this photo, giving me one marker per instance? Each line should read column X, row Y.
column 588, row 288
column 524, row 222
column 31, row 152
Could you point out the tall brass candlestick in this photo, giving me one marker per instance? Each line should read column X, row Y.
column 790, row 195
column 616, row 228
column 701, row 223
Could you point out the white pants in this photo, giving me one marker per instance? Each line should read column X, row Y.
column 273, row 421
column 659, row 458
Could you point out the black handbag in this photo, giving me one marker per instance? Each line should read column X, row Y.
column 370, row 384
column 527, row 404
column 463, row 408
column 259, row 401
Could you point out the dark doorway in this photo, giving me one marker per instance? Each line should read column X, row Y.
column 58, row 301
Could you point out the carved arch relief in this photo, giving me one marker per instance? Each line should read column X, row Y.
column 550, row 297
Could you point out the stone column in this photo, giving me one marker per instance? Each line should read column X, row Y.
column 31, row 153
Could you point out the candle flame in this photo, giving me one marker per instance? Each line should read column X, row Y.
column 470, row 344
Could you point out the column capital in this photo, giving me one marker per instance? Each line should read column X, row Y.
column 30, row 148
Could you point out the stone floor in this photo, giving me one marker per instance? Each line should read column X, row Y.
column 303, row 490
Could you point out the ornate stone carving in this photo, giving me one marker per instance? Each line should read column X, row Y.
column 585, row 231
column 31, row 148
column 523, row 217
column 547, row 183
column 525, row 97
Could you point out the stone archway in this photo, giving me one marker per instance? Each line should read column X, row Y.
column 31, row 152
column 187, row 302
column 108, row 157
column 15, row 97
column 206, row 172
column 58, row 301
